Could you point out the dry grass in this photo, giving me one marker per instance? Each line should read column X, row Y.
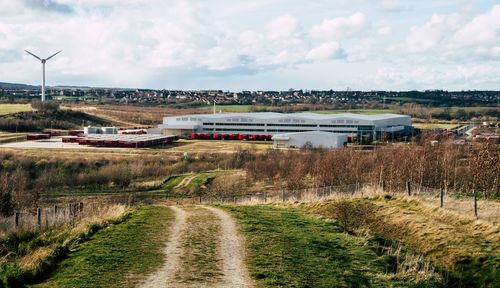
column 466, row 248
column 214, row 146
column 200, row 261
column 14, row 108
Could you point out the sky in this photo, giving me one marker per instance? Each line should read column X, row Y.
column 254, row 45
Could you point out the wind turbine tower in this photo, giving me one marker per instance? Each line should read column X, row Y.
column 43, row 69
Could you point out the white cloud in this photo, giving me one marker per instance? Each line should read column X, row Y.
column 384, row 30
column 282, row 27
column 483, row 29
column 325, row 51
column 334, row 29
column 432, row 33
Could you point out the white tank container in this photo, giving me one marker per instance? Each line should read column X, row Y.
column 110, row 130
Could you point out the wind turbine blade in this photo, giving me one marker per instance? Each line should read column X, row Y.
column 33, row 55
column 53, row 55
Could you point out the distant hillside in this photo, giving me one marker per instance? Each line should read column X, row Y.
column 5, row 85
column 33, row 121
column 20, row 86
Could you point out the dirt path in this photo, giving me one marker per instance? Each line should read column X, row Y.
column 185, row 182
column 232, row 249
column 172, row 251
column 204, row 250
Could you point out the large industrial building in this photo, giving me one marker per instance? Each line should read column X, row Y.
column 263, row 125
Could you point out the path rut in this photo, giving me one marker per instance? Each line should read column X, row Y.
column 232, row 252
column 172, row 251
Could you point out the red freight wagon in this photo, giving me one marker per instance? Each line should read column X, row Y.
column 217, row 136
column 75, row 132
column 37, row 136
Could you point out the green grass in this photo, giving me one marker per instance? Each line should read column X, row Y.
column 14, row 108
column 119, row 256
column 201, row 179
column 288, row 248
column 172, row 182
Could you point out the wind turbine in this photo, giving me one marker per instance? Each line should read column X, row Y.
column 43, row 69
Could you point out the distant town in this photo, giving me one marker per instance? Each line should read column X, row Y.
column 15, row 92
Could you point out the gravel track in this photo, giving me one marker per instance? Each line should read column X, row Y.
column 172, row 251
column 231, row 252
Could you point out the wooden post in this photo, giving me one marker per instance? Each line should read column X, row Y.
column 234, row 199
column 55, row 210
column 81, row 208
column 383, row 185
column 70, row 210
column 475, row 202
column 442, row 197
column 357, row 188
column 200, row 198
column 39, row 217
column 408, row 187
column 18, row 219
column 265, row 197
column 283, row 195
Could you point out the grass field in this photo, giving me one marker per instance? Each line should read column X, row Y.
column 288, row 248
column 119, row 256
column 14, row 108
column 430, row 126
column 356, row 111
column 230, row 108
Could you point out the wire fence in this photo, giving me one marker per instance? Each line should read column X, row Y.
column 45, row 218
column 59, row 214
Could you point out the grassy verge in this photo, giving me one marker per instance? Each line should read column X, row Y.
column 120, row 256
column 467, row 250
column 288, row 248
column 28, row 256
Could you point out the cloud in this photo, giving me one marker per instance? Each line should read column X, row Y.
column 432, row 33
column 334, row 29
column 282, row 27
column 49, row 5
column 483, row 29
column 136, row 43
column 384, row 30
column 325, row 51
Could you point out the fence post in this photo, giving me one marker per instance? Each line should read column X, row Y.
column 383, row 185
column 475, row 202
column 283, row 195
column 357, row 189
column 39, row 217
column 408, row 187
column 265, row 197
column 442, row 197
column 81, row 208
column 18, row 218
column 234, row 199
column 55, row 210
column 200, row 198
column 70, row 210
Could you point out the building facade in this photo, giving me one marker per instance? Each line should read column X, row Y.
column 270, row 123
column 309, row 139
